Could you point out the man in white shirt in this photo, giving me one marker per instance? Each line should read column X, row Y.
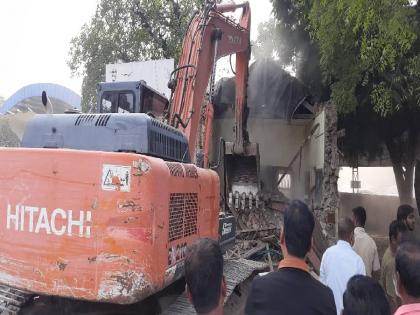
column 364, row 245
column 340, row 262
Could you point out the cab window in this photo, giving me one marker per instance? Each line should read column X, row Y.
column 117, row 102
column 153, row 103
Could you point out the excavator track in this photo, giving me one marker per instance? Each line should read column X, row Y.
column 236, row 272
column 11, row 300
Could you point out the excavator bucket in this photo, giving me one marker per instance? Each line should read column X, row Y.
column 242, row 177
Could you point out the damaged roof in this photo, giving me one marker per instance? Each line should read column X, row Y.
column 272, row 93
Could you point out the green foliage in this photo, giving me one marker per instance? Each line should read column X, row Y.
column 268, row 46
column 293, row 44
column 382, row 96
column 368, row 50
column 370, row 43
column 125, row 31
column 369, row 54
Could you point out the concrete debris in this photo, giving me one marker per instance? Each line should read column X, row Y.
column 267, row 216
column 330, row 202
column 7, row 137
column 259, row 219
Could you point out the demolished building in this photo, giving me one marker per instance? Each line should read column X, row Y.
column 297, row 139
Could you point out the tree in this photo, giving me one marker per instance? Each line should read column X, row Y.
column 369, row 57
column 368, row 135
column 366, row 43
column 125, row 31
column 292, row 45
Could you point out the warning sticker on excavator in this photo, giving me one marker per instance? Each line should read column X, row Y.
column 116, row 177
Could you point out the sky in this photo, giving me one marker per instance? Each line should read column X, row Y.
column 374, row 180
column 35, row 39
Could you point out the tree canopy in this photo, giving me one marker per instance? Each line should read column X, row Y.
column 125, row 31
column 366, row 44
column 371, row 45
column 287, row 37
column 368, row 56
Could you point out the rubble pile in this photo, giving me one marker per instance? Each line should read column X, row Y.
column 258, row 234
column 260, row 227
column 260, row 245
column 7, row 137
column 257, row 219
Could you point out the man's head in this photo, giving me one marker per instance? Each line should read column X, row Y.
column 359, row 216
column 405, row 214
column 365, row 296
column 407, row 272
column 346, row 230
column 397, row 232
column 206, row 287
column 298, row 227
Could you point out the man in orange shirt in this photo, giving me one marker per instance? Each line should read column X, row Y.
column 292, row 290
column 407, row 274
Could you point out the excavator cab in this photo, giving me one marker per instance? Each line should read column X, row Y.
column 130, row 97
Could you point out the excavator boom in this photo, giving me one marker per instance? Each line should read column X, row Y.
column 211, row 35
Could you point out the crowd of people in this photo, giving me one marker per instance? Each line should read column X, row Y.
column 352, row 279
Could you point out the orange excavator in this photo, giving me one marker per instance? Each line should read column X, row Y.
column 101, row 207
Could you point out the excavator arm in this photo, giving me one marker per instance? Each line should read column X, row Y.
column 242, row 59
column 210, row 36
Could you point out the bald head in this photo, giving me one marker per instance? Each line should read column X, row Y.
column 345, row 229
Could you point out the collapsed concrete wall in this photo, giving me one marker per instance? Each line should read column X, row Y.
column 294, row 138
column 279, row 117
column 328, row 209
